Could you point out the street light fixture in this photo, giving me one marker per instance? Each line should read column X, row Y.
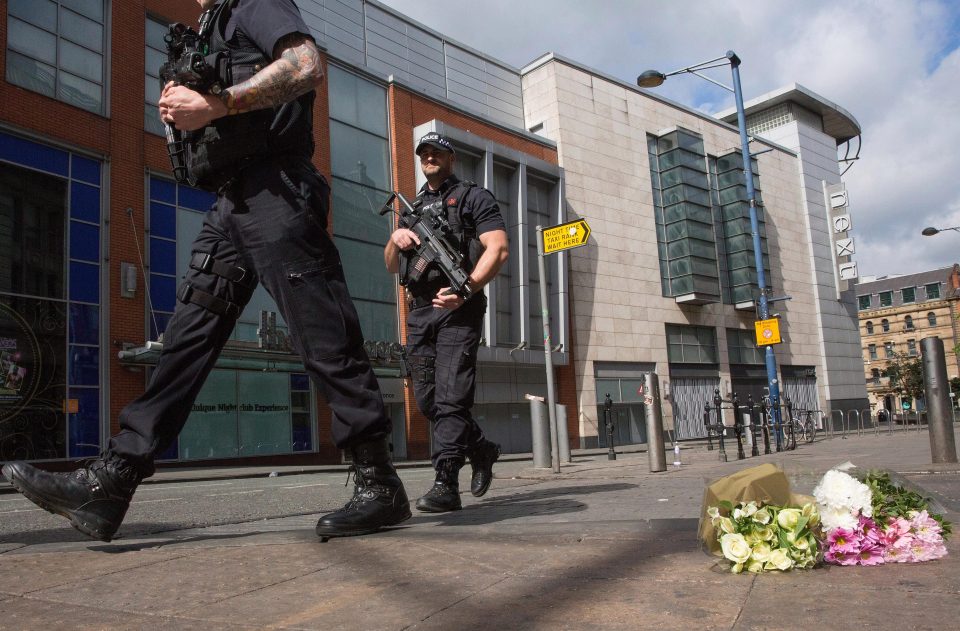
column 930, row 230
column 653, row 79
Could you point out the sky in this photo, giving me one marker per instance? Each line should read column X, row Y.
column 893, row 64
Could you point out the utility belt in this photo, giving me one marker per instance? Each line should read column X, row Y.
column 425, row 294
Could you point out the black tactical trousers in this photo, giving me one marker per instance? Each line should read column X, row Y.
column 271, row 226
column 442, row 352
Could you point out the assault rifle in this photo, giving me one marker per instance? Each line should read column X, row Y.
column 431, row 227
column 187, row 65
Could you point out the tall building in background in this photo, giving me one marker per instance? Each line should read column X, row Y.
column 895, row 313
column 94, row 236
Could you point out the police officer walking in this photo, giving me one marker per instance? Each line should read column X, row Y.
column 443, row 327
column 252, row 143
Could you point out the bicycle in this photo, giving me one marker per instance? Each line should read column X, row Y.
column 802, row 423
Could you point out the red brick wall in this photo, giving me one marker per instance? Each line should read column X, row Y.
column 131, row 153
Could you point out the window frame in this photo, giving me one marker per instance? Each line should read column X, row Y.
column 889, row 294
column 59, row 69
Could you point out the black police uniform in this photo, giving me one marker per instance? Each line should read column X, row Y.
column 268, row 225
column 442, row 344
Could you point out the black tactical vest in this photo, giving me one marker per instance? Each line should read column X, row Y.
column 216, row 152
column 462, row 236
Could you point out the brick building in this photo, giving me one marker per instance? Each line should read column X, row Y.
column 95, row 234
column 896, row 312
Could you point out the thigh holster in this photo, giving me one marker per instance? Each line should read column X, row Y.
column 422, row 369
column 203, row 262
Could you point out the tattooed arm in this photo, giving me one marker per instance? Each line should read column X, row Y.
column 295, row 71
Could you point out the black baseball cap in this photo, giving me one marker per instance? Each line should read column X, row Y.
column 434, row 140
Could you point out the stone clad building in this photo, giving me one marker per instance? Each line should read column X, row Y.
column 95, row 234
column 896, row 313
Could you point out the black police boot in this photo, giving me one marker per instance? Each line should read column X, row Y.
column 94, row 498
column 481, row 462
column 444, row 495
column 378, row 497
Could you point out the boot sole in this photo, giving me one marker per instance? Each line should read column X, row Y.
column 324, row 535
column 486, row 487
column 438, row 509
column 85, row 522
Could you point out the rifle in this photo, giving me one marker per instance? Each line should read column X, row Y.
column 432, row 230
column 187, row 65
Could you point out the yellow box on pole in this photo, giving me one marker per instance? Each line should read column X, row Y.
column 768, row 331
column 568, row 235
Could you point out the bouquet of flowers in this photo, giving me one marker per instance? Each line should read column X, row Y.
column 875, row 521
column 758, row 537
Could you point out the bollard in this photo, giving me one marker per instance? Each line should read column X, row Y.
column 755, row 448
column 937, row 391
column 655, row 454
column 608, row 421
column 563, row 436
column 540, row 429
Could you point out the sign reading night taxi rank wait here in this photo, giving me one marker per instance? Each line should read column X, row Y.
column 568, row 235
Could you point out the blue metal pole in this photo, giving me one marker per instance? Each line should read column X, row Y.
column 770, row 359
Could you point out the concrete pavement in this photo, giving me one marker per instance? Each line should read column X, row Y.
column 603, row 545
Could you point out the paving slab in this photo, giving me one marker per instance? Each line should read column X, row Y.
column 604, row 545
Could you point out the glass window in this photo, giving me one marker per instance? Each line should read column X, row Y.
column 869, row 328
column 909, row 294
column 57, row 49
column 863, row 302
column 682, row 208
column 691, row 344
column 911, row 347
column 539, row 211
column 360, row 157
column 932, row 319
column 886, row 298
column 885, row 325
column 742, row 347
column 908, row 323
column 872, row 349
column 932, row 290
column 508, row 290
column 888, row 349
column 156, row 56
column 50, row 346
column 875, row 374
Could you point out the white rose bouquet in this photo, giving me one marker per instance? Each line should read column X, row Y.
column 757, row 537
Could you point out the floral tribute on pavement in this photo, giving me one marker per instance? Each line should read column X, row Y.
column 756, row 524
column 875, row 521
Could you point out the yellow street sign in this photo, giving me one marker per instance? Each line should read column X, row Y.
column 568, row 235
column 768, row 331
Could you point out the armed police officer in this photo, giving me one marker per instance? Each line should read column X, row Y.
column 251, row 142
column 443, row 326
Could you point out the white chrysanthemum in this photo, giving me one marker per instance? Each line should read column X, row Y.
column 840, row 493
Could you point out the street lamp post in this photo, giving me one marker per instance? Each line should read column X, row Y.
column 652, row 79
column 929, row 231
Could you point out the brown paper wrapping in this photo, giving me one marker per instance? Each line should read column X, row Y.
column 765, row 483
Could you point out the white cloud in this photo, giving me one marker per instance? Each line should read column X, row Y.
column 895, row 65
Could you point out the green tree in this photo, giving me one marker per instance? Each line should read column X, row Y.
column 906, row 375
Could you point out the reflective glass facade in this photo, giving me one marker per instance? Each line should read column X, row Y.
column 50, row 292
column 682, row 207
column 360, row 158
column 56, row 48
